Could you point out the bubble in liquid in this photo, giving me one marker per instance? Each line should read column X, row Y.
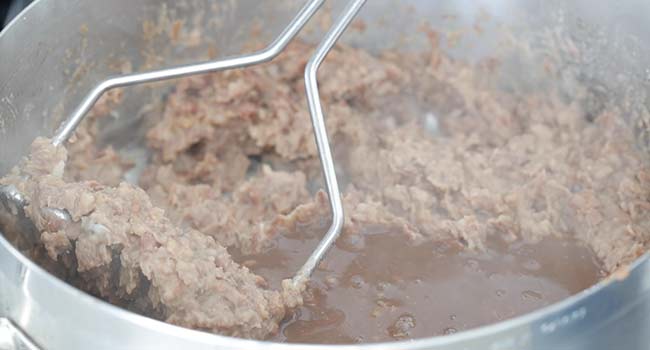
column 382, row 286
column 530, row 294
column 449, row 330
column 331, row 281
column 402, row 327
column 357, row 281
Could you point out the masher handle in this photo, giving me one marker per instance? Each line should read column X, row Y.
column 322, row 140
column 267, row 54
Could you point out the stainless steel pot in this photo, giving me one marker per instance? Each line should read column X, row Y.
column 52, row 53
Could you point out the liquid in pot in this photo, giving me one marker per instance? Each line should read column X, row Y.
column 385, row 289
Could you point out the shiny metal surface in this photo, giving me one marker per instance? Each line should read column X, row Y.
column 12, row 338
column 35, row 91
column 11, row 198
column 322, row 141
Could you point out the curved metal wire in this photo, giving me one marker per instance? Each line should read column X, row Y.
column 322, row 141
column 264, row 55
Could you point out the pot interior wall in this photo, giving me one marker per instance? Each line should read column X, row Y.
column 54, row 54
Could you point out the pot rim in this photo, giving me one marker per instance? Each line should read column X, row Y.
column 221, row 340
column 216, row 340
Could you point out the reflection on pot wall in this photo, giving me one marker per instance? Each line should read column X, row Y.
column 10, row 9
